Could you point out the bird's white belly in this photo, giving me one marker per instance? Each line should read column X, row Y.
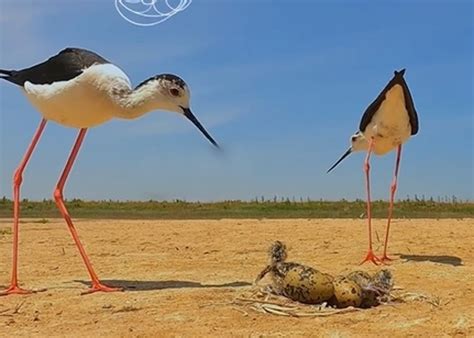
column 82, row 102
column 390, row 126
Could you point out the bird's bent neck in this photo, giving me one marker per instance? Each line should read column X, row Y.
column 134, row 103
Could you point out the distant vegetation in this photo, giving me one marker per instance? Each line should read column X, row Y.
column 258, row 208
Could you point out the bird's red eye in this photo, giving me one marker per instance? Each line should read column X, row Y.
column 174, row 92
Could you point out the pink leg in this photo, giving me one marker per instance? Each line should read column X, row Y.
column 370, row 254
column 393, row 189
column 17, row 179
column 58, row 196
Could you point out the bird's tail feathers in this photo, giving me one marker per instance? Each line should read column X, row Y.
column 400, row 72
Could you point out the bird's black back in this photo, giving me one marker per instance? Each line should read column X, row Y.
column 66, row 65
column 409, row 105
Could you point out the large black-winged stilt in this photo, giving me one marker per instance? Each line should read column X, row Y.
column 80, row 89
column 387, row 123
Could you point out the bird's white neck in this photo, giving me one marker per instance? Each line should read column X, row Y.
column 135, row 103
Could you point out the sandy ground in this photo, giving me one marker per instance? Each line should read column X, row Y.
column 181, row 277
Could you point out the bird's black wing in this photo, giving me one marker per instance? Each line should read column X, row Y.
column 64, row 66
column 409, row 105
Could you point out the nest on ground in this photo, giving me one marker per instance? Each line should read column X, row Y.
column 264, row 300
column 302, row 291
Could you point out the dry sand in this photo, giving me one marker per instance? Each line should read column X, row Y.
column 181, row 277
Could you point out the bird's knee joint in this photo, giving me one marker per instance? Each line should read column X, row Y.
column 366, row 167
column 58, row 195
column 17, row 178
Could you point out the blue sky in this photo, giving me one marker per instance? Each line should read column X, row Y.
column 281, row 85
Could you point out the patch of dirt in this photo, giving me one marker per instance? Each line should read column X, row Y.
column 182, row 277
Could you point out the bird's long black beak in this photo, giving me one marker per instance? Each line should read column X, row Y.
column 189, row 114
column 347, row 153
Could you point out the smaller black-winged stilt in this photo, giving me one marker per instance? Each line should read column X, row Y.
column 387, row 123
column 80, row 89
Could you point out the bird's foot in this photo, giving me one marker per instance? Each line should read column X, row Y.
column 372, row 258
column 99, row 287
column 385, row 259
column 16, row 290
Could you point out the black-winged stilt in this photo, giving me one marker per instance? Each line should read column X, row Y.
column 80, row 89
column 387, row 123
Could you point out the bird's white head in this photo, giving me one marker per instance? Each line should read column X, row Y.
column 167, row 91
column 358, row 143
column 170, row 93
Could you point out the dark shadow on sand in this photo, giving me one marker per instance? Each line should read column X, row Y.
column 443, row 259
column 137, row 285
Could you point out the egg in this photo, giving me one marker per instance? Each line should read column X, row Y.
column 346, row 293
column 373, row 287
column 363, row 280
column 302, row 283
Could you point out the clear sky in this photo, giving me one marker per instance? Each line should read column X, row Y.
column 281, row 85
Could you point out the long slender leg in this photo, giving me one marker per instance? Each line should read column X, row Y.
column 58, row 196
column 17, row 179
column 393, row 189
column 370, row 254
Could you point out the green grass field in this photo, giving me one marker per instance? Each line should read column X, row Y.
column 237, row 209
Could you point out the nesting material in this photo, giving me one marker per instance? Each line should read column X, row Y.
column 264, row 300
